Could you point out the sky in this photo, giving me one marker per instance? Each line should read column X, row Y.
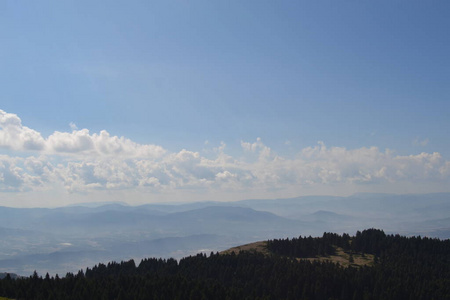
column 178, row 101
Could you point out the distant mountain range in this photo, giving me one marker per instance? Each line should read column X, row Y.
column 65, row 239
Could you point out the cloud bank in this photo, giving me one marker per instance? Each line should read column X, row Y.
column 82, row 162
column 15, row 136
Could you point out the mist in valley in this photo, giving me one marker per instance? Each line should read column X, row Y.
column 67, row 239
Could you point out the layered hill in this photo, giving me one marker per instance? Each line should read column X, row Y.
column 66, row 239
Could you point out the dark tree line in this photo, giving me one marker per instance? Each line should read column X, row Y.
column 408, row 268
column 303, row 247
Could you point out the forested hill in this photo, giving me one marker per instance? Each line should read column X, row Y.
column 402, row 268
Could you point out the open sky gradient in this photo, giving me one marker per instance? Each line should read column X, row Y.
column 155, row 101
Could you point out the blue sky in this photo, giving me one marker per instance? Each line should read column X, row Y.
column 244, row 88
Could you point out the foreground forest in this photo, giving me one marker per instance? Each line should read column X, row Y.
column 402, row 268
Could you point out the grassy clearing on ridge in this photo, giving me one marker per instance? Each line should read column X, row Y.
column 341, row 257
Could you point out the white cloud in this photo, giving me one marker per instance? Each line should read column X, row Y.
column 81, row 142
column 11, row 177
column 18, row 174
column 73, row 126
column 264, row 151
column 252, row 146
column 15, row 136
column 186, row 169
column 105, row 174
column 75, row 142
column 81, row 162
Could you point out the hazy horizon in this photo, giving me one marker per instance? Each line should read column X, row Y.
column 97, row 204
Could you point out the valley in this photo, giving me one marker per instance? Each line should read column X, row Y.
column 66, row 239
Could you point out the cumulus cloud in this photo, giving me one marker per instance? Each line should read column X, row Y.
column 11, row 176
column 258, row 146
column 102, row 144
column 313, row 165
column 252, row 146
column 22, row 174
column 80, row 162
column 188, row 169
column 15, row 136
